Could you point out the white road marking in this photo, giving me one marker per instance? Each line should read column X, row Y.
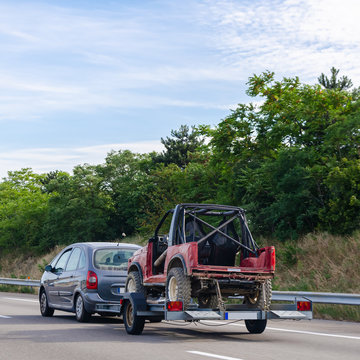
column 17, row 299
column 297, row 331
column 213, row 355
column 5, row 317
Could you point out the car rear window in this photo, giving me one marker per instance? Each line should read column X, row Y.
column 112, row 259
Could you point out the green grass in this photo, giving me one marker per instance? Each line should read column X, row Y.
column 18, row 289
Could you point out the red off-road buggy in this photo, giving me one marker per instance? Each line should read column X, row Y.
column 203, row 253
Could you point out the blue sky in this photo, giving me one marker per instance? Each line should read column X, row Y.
column 79, row 78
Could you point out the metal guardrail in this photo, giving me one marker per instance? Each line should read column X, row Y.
column 315, row 297
column 318, row 297
column 20, row 282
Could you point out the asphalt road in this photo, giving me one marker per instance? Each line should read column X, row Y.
column 26, row 335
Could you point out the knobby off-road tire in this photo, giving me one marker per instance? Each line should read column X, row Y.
column 44, row 306
column 262, row 298
column 178, row 287
column 208, row 301
column 80, row 312
column 134, row 324
column 134, row 284
column 255, row 326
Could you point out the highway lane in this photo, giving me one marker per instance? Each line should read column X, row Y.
column 24, row 334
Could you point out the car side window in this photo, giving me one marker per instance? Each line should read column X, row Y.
column 82, row 261
column 60, row 265
column 73, row 260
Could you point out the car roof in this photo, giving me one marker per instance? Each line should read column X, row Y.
column 108, row 244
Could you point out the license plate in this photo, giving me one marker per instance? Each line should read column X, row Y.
column 120, row 290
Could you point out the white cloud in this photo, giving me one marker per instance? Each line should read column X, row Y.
column 43, row 160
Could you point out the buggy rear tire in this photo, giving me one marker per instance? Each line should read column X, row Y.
column 134, row 324
column 208, row 301
column 255, row 326
column 178, row 287
column 262, row 297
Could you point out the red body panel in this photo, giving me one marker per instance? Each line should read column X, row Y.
column 252, row 267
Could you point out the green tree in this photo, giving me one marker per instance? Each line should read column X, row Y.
column 179, row 146
column 23, row 210
column 333, row 83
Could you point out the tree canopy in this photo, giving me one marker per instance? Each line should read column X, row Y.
column 292, row 161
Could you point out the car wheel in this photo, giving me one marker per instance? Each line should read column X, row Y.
column 178, row 287
column 208, row 301
column 44, row 306
column 134, row 284
column 255, row 326
column 134, row 324
column 80, row 312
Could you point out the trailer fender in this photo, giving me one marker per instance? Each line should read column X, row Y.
column 137, row 299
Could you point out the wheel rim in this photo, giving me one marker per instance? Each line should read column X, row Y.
column 173, row 289
column 131, row 286
column 254, row 298
column 129, row 315
column 79, row 307
column 43, row 302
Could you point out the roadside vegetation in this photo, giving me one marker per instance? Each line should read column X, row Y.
column 292, row 161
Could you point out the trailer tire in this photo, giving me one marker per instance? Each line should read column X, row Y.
column 262, row 298
column 134, row 284
column 208, row 301
column 255, row 326
column 178, row 286
column 134, row 324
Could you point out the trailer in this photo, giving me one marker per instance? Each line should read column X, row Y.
column 136, row 309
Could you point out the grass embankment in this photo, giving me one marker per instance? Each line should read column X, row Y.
column 321, row 263
column 317, row 262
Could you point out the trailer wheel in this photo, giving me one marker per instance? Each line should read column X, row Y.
column 255, row 326
column 134, row 324
column 262, row 297
column 134, row 284
column 208, row 301
column 178, row 287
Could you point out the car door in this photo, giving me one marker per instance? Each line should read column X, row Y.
column 67, row 281
column 56, row 284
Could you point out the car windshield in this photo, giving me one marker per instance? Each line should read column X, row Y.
column 112, row 259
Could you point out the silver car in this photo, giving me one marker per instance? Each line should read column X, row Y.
column 86, row 278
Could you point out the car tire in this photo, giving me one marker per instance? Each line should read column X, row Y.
column 178, row 287
column 208, row 301
column 255, row 326
column 134, row 324
column 80, row 312
column 45, row 309
column 134, row 283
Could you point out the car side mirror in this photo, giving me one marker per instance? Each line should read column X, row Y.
column 48, row 268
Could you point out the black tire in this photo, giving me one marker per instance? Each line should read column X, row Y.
column 44, row 305
column 255, row 326
column 156, row 319
column 178, row 287
column 134, row 325
column 80, row 312
column 134, row 283
column 262, row 297
column 208, row 301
